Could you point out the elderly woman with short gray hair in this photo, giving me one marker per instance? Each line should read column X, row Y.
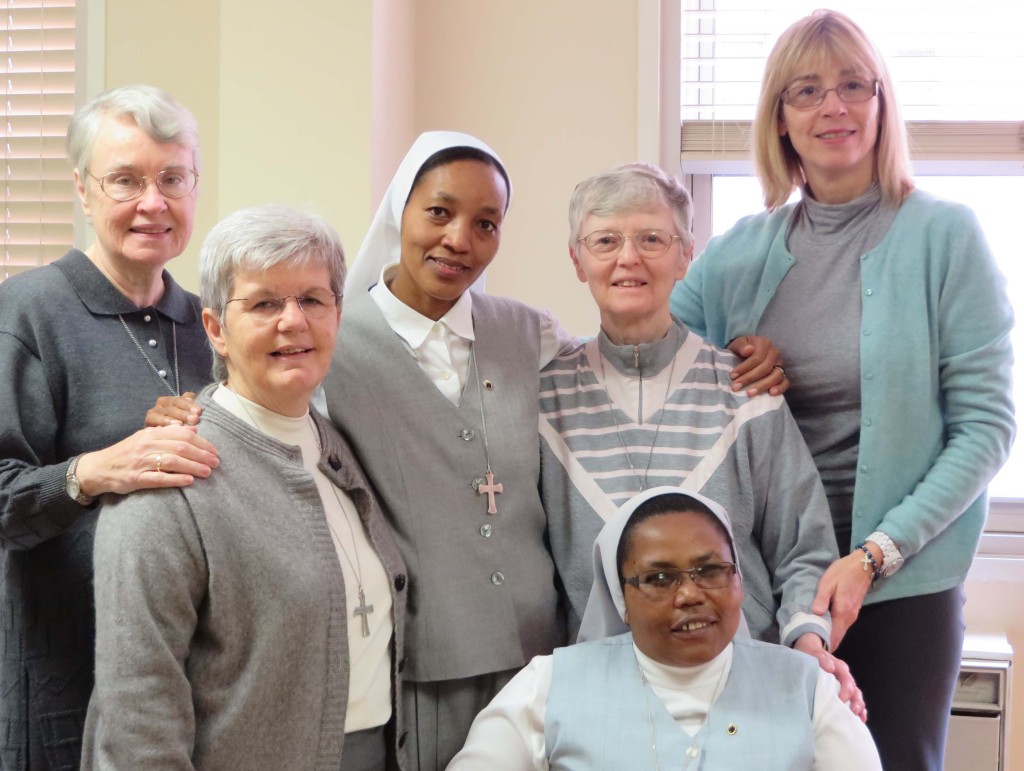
column 254, row 620
column 86, row 344
column 648, row 402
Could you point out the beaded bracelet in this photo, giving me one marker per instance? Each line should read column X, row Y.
column 869, row 559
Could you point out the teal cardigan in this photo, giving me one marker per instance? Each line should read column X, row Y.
column 937, row 415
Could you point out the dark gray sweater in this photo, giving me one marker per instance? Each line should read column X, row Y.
column 71, row 381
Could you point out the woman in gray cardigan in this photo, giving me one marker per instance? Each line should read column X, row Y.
column 254, row 620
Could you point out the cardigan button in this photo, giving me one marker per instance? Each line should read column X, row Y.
column 497, row 578
column 400, row 581
column 869, row 292
column 335, row 462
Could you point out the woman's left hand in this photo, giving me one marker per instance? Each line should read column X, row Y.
column 761, row 370
column 841, row 591
column 849, row 693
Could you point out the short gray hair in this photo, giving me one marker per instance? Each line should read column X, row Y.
column 629, row 188
column 259, row 238
column 153, row 110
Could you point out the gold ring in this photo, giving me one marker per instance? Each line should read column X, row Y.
column 159, row 458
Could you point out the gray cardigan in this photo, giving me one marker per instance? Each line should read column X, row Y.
column 221, row 620
column 71, row 381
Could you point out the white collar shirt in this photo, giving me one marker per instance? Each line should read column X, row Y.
column 442, row 348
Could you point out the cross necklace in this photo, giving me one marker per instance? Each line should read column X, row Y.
column 486, row 486
column 362, row 610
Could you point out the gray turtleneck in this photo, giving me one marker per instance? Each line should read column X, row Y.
column 814, row 319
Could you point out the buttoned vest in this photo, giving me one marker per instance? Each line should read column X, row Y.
column 596, row 717
column 482, row 592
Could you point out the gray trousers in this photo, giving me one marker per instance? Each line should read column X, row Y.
column 438, row 716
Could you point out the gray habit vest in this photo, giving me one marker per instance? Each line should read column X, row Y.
column 482, row 594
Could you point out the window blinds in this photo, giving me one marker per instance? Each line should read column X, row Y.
column 960, row 76
column 38, row 97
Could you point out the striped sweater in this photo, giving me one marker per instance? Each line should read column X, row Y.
column 671, row 406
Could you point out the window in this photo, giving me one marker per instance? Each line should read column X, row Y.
column 961, row 85
column 38, row 93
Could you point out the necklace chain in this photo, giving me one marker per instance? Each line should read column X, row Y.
column 483, row 415
column 642, row 481
column 357, row 568
column 176, row 391
column 693, row 751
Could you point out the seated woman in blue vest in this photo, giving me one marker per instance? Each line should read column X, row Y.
column 665, row 681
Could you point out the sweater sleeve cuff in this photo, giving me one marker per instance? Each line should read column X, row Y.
column 802, row 623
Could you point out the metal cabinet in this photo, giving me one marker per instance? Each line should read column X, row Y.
column 978, row 732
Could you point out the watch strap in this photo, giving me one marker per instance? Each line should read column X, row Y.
column 892, row 559
column 73, row 486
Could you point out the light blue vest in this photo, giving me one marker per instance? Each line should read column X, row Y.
column 596, row 719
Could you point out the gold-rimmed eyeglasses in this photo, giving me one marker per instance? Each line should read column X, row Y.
column 127, row 185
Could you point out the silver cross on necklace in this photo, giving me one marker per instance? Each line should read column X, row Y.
column 364, row 610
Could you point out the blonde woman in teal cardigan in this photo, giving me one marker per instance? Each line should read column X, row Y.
column 894, row 324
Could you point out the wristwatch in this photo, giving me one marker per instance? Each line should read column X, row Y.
column 892, row 560
column 73, row 487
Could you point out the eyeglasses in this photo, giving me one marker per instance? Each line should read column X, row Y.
column 663, row 582
column 314, row 305
column 126, row 186
column 605, row 244
column 809, row 95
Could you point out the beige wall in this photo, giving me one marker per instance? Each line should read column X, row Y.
column 551, row 86
column 179, row 52
column 318, row 111
column 283, row 104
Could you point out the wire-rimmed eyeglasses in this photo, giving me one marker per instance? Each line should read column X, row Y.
column 665, row 581
column 605, row 244
column 126, row 185
column 315, row 305
column 810, row 95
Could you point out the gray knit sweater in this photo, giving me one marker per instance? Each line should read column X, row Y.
column 71, row 381
column 221, row 620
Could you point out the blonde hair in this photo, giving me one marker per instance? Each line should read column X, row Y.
column 825, row 38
